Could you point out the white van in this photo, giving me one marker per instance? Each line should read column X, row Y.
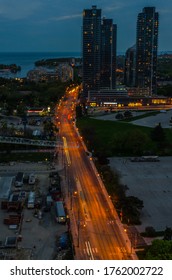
column 31, row 200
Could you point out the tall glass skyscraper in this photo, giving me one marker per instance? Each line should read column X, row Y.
column 91, row 49
column 108, row 54
column 98, row 51
column 130, row 67
column 146, row 49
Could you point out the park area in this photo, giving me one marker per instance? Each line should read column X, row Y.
column 128, row 137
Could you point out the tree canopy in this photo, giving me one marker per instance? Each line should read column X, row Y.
column 160, row 250
column 158, row 133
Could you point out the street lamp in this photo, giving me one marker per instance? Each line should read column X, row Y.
column 46, row 162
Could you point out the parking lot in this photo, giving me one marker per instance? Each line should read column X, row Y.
column 152, row 183
column 163, row 117
column 39, row 233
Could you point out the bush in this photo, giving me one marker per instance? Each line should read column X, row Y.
column 119, row 116
column 150, row 232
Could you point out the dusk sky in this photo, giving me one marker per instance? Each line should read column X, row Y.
column 55, row 25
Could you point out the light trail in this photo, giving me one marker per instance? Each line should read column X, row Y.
column 66, row 151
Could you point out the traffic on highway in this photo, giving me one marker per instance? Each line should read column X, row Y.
column 97, row 231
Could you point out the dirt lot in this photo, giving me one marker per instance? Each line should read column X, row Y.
column 38, row 235
column 41, row 235
column 151, row 182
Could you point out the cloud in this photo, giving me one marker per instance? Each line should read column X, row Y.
column 165, row 12
column 66, row 17
column 114, row 7
column 40, row 19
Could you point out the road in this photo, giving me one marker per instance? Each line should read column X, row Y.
column 96, row 228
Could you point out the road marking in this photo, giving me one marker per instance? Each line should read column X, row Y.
column 94, row 250
column 89, row 250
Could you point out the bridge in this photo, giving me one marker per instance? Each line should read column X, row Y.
column 31, row 142
column 25, row 141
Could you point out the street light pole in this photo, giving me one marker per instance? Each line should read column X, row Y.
column 78, row 226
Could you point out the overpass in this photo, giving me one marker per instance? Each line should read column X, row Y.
column 40, row 143
column 25, row 141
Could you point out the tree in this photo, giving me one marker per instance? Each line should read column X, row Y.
column 118, row 141
column 150, row 231
column 79, row 111
column 21, row 109
column 158, row 134
column 119, row 116
column 90, row 136
column 168, row 234
column 102, row 159
column 159, row 250
column 4, row 128
column 131, row 207
column 47, row 127
column 136, row 142
column 128, row 114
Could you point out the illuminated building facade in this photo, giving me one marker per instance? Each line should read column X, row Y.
column 108, row 54
column 91, row 47
column 146, row 49
column 98, row 51
column 130, row 67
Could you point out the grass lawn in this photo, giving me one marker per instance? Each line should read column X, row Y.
column 106, row 136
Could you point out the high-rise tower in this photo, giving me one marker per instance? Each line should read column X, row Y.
column 108, row 54
column 98, row 51
column 91, row 47
column 146, row 49
column 130, row 67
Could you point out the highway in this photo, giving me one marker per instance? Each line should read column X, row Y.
column 96, row 229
